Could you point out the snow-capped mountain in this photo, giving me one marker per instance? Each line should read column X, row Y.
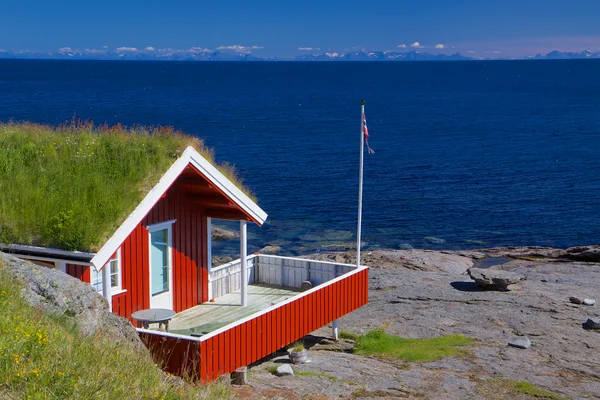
column 566, row 55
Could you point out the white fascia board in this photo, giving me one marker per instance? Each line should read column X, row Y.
column 219, row 180
column 115, row 241
column 189, row 156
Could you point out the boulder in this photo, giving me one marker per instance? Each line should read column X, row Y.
column 584, row 253
column 521, row 342
column 591, row 324
column 220, row 260
column 270, row 249
column 61, row 295
column 575, row 300
column 285, row 369
column 588, row 302
column 494, row 279
column 223, row 234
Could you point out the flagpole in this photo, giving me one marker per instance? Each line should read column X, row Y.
column 360, row 181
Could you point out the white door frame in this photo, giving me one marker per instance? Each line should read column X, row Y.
column 168, row 225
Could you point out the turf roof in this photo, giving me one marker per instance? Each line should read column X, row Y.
column 70, row 187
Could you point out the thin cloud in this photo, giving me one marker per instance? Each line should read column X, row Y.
column 402, row 46
column 240, row 49
column 65, row 50
column 126, row 49
column 200, row 49
column 95, row 51
column 308, row 48
column 471, row 51
column 440, row 46
column 492, row 52
column 416, row 45
column 149, row 48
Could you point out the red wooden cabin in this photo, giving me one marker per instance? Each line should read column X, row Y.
column 160, row 257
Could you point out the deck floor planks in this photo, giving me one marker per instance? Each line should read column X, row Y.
column 226, row 309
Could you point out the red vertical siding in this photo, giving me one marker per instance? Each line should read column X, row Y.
column 81, row 272
column 283, row 325
column 258, row 337
column 189, row 257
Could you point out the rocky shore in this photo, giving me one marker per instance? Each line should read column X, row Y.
column 424, row 294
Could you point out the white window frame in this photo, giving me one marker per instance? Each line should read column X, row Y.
column 168, row 226
column 118, row 289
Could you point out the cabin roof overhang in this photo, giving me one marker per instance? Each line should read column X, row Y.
column 47, row 254
column 203, row 183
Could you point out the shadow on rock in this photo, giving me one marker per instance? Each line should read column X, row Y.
column 466, row 286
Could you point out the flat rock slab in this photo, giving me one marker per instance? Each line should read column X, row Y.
column 223, row 234
column 494, row 279
column 270, row 249
column 584, row 253
column 417, row 302
column 520, row 342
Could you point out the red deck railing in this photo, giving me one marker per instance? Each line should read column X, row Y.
column 250, row 339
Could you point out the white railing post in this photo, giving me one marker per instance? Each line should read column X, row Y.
column 209, row 243
column 106, row 288
column 244, row 262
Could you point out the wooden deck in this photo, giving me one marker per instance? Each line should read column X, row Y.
column 207, row 317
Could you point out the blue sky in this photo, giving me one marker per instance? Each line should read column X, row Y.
column 266, row 28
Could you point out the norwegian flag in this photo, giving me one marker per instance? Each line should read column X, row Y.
column 366, row 133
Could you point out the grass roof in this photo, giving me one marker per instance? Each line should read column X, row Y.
column 71, row 186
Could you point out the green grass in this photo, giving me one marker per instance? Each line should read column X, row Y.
column 273, row 369
column 298, row 346
column 46, row 358
column 378, row 343
column 347, row 335
column 71, row 186
column 494, row 387
column 309, row 373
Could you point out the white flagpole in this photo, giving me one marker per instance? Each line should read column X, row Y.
column 360, row 181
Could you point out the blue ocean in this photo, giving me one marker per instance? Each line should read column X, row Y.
column 467, row 154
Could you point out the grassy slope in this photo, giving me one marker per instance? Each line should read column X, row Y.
column 70, row 187
column 46, row 358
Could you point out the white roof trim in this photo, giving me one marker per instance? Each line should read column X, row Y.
column 226, row 186
column 212, row 174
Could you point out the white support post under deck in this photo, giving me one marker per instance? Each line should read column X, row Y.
column 244, row 262
column 334, row 330
column 106, row 287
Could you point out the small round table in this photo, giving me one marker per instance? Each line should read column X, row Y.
column 153, row 316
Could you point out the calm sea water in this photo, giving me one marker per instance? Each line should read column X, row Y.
column 468, row 154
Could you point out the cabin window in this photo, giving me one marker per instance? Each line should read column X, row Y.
column 115, row 275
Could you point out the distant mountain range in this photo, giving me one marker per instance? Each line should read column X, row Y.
column 562, row 55
column 210, row 55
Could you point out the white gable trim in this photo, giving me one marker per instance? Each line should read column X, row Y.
column 226, row 186
column 189, row 156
